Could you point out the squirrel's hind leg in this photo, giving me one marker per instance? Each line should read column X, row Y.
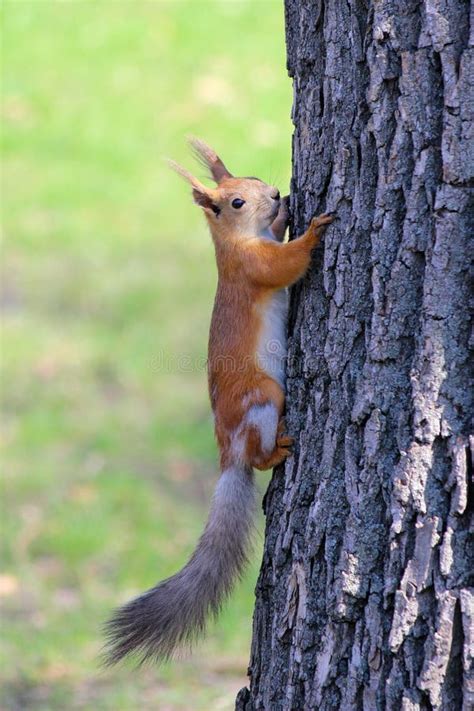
column 267, row 445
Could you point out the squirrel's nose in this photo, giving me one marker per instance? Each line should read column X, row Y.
column 276, row 196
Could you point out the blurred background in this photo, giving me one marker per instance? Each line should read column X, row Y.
column 108, row 279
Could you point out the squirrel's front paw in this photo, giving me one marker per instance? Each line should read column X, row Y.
column 322, row 220
column 317, row 226
column 284, row 211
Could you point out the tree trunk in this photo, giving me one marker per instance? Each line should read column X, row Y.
column 363, row 599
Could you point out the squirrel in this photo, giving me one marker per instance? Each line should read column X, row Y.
column 246, row 373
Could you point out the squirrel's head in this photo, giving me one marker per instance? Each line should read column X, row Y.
column 244, row 206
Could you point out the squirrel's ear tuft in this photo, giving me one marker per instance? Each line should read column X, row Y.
column 183, row 172
column 209, row 158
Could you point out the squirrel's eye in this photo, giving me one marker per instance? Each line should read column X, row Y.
column 237, row 203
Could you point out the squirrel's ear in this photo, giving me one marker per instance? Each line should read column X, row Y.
column 209, row 159
column 204, row 200
column 202, row 196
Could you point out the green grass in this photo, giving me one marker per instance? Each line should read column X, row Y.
column 107, row 285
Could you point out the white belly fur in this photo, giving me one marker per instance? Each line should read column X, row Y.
column 271, row 348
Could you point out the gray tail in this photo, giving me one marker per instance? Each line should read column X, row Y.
column 175, row 611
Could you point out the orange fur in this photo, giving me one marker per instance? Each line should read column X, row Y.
column 252, row 267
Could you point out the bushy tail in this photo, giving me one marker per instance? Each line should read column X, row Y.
column 175, row 611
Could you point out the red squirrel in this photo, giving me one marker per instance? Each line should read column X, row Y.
column 246, row 373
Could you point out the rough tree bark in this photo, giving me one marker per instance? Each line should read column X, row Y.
column 363, row 600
